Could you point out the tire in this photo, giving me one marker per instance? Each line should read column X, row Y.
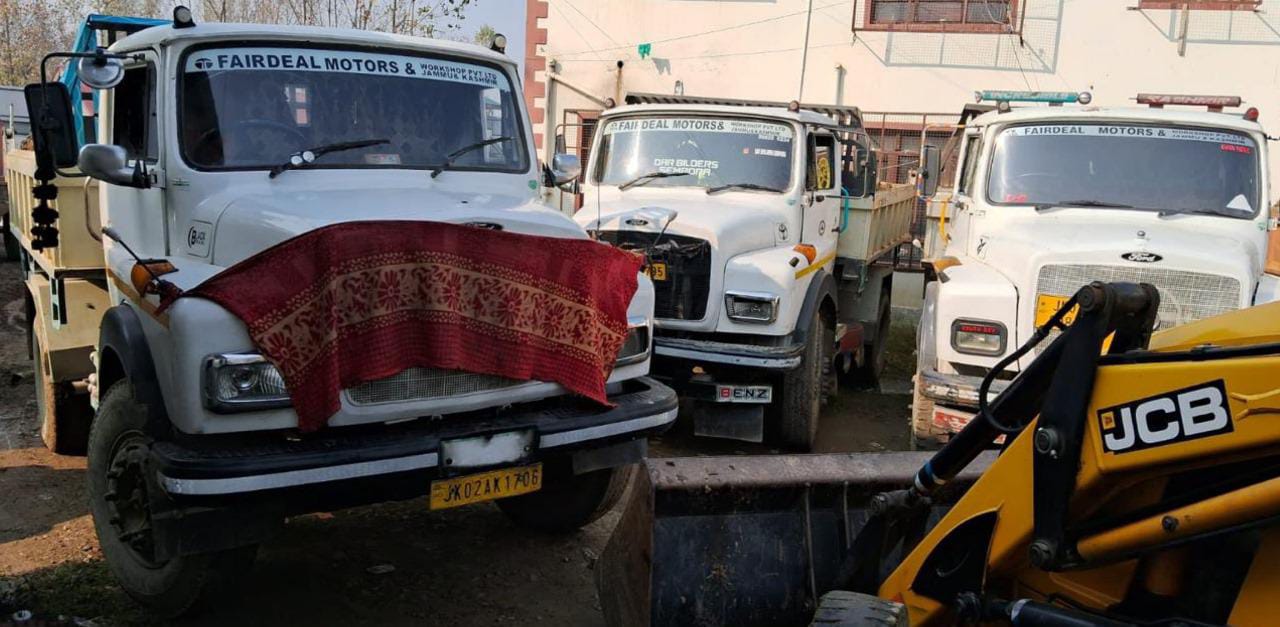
column 64, row 418
column 568, row 502
column 840, row 608
column 876, row 354
column 119, row 462
column 805, row 389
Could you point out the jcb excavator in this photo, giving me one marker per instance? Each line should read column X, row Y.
column 1139, row 485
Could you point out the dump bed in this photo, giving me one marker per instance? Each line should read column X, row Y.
column 78, row 220
column 876, row 224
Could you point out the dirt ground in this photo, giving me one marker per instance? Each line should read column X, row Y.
column 395, row 563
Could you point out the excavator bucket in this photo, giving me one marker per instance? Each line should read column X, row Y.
column 753, row 540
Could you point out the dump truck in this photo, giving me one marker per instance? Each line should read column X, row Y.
column 1046, row 198
column 769, row 241
column 1139, row 485
column 215, row 142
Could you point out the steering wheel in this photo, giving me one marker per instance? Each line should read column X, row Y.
column 243, row 126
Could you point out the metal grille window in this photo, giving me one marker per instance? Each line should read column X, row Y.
column 947, row 16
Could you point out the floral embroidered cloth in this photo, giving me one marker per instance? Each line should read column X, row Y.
column 355, row 302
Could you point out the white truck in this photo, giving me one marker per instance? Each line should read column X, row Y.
column 766, row 236
column 1049, row 198
column 193, row 455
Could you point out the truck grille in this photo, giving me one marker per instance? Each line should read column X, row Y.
column 682, row 295
column 1184, row 296
column 417, row 384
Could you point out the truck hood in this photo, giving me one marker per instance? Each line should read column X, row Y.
column 255, row 222
column 732, row 222
column 1019, row 245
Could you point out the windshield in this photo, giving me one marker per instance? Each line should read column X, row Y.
column 1168, row 169
column 711, row 151
column 253, row 107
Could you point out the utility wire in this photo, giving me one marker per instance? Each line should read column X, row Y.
column 579, row 33
column 707, row 32
column 591, row 21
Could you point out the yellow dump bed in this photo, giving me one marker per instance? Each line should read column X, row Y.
column 77, row 206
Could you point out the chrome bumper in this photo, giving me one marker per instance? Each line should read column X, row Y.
column 748, row 355
column 252, row 466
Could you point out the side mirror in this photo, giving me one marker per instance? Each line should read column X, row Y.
column 930, row 170
column 565, row 169
column 110, row 164
column 53, row 125
column 100, row 71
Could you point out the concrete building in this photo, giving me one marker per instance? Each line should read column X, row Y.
column 894, row 59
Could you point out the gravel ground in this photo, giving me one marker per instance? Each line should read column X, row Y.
column 395, row 563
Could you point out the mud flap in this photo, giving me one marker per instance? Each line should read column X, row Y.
column 747, row 540
column 729, row 420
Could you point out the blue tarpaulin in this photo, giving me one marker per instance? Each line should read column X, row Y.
column 87, row 41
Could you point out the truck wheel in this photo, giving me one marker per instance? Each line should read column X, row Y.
column 924, row 435
column 119, row 499
column 841, row 608
column 804, row 389
column 64, row 419
column 876, row 353
column 568, row 502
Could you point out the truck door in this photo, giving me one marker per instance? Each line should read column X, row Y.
column 958, row 218
column 132, row 121
column 822, row 195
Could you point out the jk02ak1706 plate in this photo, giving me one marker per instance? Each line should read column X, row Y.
column 485, row 486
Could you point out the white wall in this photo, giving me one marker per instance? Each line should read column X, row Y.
column 1070, row 45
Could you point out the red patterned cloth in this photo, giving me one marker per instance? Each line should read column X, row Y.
column 360, row 301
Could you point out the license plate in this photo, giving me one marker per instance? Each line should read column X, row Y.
column 482, row 451
column 658, row 271
column 485, row 486
column 744, row 394
column 1047, row 305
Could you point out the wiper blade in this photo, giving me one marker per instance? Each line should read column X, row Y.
column 1227, row 213
column 645, row 178
column 306, row 157
column 453, row 156
column 1061, row 204
column 753, row 186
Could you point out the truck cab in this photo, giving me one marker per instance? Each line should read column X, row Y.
column 1047, row 199
column 219, row 141
column 763, row 228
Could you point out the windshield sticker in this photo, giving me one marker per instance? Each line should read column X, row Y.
column 696, row 167
column 767, row 152
column 1240, row 203
column 1244, row 150
column 1141, row 132
column 343, row 61
column 762, row 130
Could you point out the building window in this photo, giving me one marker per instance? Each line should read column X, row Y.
column 941, row 16
column 1200, row 5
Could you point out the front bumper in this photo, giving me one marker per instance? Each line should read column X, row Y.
column 212, row 466
column 784, row 357
column 955, row 390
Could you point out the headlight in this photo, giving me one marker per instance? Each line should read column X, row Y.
column 242, row 382
column 751, row 306
column 636, row 347
column 978, row 337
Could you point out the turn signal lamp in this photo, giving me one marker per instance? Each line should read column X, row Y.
column 793, row 106
column 808, row 250
column 1252, row 114
column 182, row 17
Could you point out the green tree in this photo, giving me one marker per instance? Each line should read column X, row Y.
column 484, row 36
